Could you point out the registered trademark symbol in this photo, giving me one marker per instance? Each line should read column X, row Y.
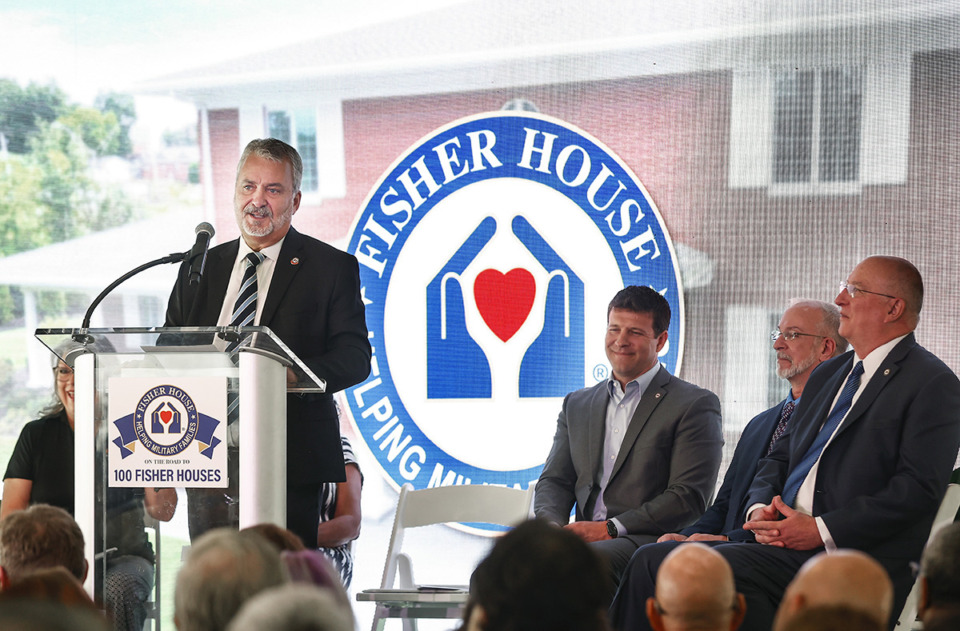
column 600, row 372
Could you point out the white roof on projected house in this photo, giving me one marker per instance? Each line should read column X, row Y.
column 92, row 262
column 487, row 44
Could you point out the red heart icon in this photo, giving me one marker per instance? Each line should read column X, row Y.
column 165, row 416
column 504, row 300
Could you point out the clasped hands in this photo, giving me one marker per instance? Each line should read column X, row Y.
column 776, row 524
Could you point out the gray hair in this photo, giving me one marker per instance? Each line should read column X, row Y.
column 830, row 321
column 224, row 569
column 294, row 607
column 277, row 151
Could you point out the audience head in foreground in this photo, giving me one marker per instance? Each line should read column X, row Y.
column 848, row 578
column 940, row 578
column 282, row 538
column 40, row 537
column 53, row 584
column 833, row 618
column 313, row 568
column 224, row 569
column 29, row 614
column 695, row 590
column 538, row 576
column 294, row 607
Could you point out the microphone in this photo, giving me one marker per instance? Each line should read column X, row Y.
column 198, row 254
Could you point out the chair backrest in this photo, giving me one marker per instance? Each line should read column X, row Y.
column 468, row 503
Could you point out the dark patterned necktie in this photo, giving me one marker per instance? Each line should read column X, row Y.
column 785, row 414
column 799, row 473
column 245, row 308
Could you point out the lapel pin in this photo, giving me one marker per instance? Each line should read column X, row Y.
column 656, row 396
column 886, row 372
column 294, row 261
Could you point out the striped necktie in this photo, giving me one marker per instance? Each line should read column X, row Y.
column 245, row 308
column 244, row 312
column 799, row 473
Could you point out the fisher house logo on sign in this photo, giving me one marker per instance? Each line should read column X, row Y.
column 167, row 433
column 488, row 254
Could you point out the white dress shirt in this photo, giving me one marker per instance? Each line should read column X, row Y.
column 621, row 406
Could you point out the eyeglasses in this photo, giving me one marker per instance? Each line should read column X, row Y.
column 789, row 335
column 63, row 373
column 853, row 291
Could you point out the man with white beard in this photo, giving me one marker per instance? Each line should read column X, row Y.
column 807, row 335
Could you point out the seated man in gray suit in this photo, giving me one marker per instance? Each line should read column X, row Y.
column 637, row 454
column 806, row 336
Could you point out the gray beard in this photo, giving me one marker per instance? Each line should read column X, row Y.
column 796, row 368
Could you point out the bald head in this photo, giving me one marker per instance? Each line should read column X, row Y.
column 845, row 577
column 880, row 301
column 695, row 590
column 902, row 279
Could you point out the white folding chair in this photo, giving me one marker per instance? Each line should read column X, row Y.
column 945, row 515
column 398, row 595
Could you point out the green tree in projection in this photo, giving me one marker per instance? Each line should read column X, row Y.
column 21, row 213
column 23, row 109
column 72, row 203
column 100, row 131
column 47, row 193
column 121, row 106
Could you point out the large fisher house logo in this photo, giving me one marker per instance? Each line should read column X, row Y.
column 488, row 254
column 166, row 422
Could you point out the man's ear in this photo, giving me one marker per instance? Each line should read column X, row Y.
column 897, row 310
column 653, row 615
column 86, row 569
column 922, row 602
column 828, row 348
column 4, row 579
column 478, row 618
column 739, row 611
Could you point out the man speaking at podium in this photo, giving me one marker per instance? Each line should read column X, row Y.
column 308, row 294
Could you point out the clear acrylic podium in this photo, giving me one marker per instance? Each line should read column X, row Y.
column 159, row 407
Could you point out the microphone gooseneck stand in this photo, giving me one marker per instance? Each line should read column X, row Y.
column 82, row 336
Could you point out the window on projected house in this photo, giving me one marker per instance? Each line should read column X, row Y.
column 816, row 127
column 299, row 129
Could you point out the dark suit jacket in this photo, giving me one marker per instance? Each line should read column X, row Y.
column 314, row 306
column 723, row 516
column 665, row 472
column 881, row 478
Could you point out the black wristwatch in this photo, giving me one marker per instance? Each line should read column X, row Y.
column 612, row 529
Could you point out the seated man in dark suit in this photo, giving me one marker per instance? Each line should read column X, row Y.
column 637, row 454
column 807, row 335
column 868, row 457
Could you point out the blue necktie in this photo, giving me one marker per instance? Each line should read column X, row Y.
column 799, row 473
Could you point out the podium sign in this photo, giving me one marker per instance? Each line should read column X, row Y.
column 176, row 408
column 167, row 432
